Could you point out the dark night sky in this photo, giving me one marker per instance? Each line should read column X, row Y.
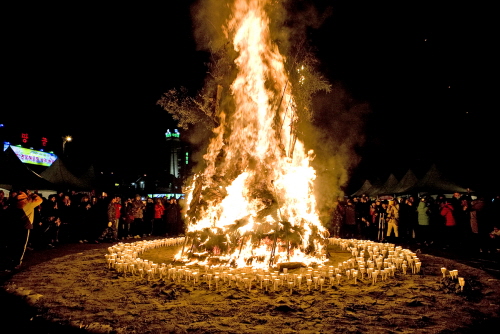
column 426, row 70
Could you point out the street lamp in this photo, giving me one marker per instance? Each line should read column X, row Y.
column 65, row 140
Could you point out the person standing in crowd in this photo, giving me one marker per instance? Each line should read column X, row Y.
column 337, row 219
column 159, row 225
column 408, row 219
column 112, row 217
column 85, row 229
column 449, row 236
column 372, row 227
column 477, row 211
column 392, row 219
column 137, row 207
column 67, row 216
column 423, row 232
column 493, row 244
column 50, row 208
column 362, row 216
column 118, row 207
column 172, row 214
column 127, row 220
column 350, row 229
column 149, row 216
column 461, row 215
column 19, row 224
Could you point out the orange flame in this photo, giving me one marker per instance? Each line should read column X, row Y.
column 266, row 210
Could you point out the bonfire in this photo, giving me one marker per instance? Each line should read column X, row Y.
column 253, row 203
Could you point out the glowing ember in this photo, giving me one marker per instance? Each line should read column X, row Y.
column 253, row 204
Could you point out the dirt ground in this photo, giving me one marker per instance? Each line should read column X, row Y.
column 78, row 292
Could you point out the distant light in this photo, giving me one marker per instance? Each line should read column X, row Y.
column 1, row 125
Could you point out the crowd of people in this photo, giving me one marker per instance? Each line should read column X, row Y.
column 31, row 221
column 462, row 221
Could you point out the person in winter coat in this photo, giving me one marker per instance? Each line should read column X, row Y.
column 349, row 228
column 392, row 218
column 137, row 208
column 20, row 218
column 449, row 235
column 423, row 228
column 159, row 224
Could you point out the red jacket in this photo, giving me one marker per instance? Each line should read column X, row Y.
column 447, row 213
column 118, row 207
column 159, row 209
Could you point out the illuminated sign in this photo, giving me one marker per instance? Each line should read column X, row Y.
column 170, row 195
column 169, row 134
column 25, row 137
column 28, row 156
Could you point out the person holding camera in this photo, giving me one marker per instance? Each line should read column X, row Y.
column 20, row 220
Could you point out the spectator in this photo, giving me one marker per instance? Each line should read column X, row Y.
column 108, row 235
column 127, row 219
column 349, row 230
column 149, row 216
column 337, row 219
column 408, row 219
column 159, row 224
column 118, row 207
column 85, row 228
column 494, row 244
column 450, row 234
column 172, row 214
column 423, row 235
column 478, row 221
column 137, row 209
column 112, row 219
column 392, row 219
column 19, row 224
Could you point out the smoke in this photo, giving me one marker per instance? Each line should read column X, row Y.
column 335, row 133
column 209, row 19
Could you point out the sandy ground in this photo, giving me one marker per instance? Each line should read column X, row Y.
column 78, row 292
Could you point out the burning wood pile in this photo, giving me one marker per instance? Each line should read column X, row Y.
column 253, row 204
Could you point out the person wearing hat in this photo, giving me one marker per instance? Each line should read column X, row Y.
column 20, row 223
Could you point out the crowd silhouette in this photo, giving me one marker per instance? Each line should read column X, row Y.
column 460, row 222
column 83, row 218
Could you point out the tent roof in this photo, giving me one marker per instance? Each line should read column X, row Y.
column 387, row 187
column 364, row 188
column 434, row 182
column 59, row 175
column 15, row 174
column 408, row 181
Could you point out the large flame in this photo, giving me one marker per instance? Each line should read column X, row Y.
column 254, row 202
